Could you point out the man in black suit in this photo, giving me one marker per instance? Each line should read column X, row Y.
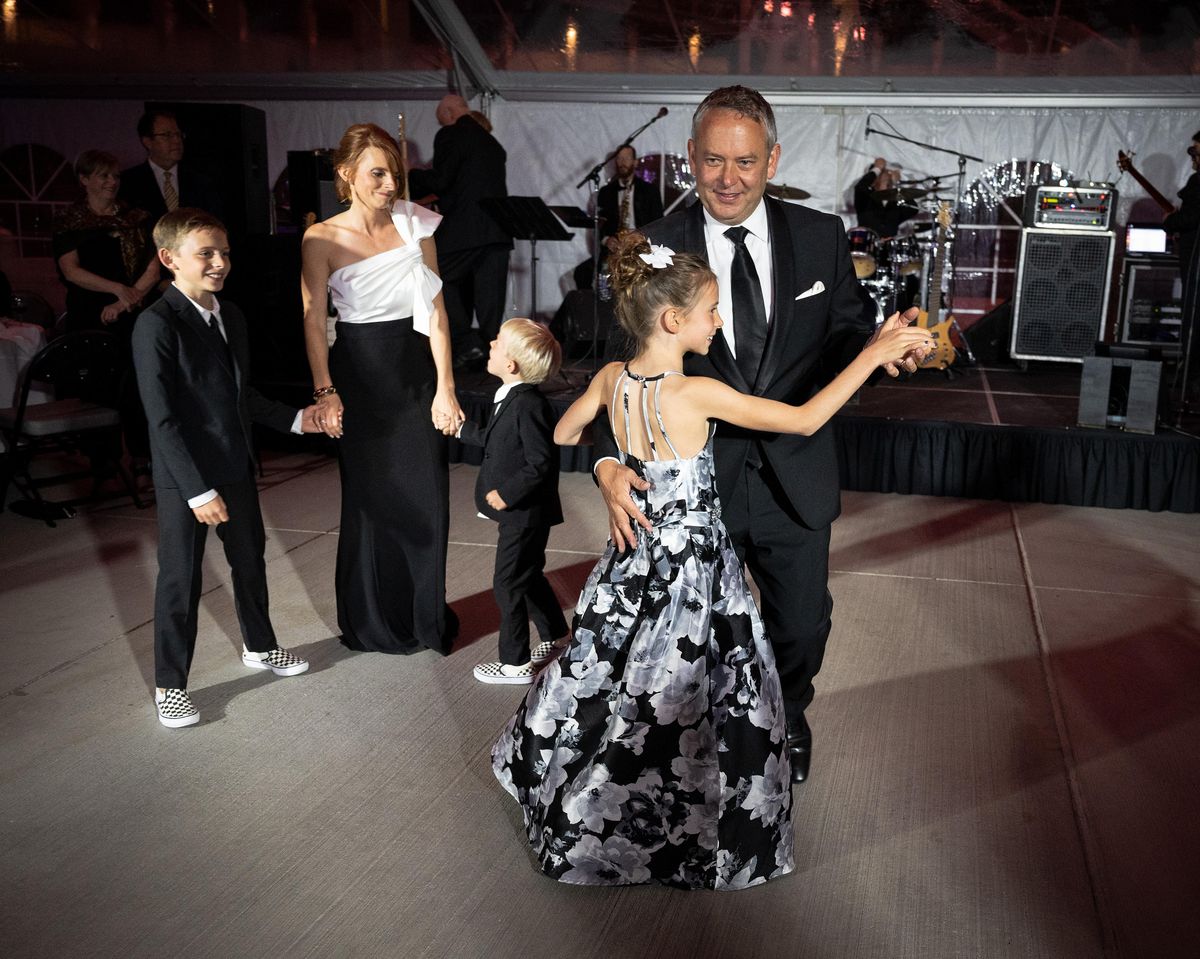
column 163, row 182
column 191, row 355
column 469, row 165
column 793, row 319
column 625, row 202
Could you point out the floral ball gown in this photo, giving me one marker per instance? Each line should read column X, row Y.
column 654, row 748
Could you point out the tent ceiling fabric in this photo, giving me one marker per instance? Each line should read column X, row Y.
column 818, row 51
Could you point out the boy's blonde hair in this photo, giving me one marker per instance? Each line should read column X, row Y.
column 532, row 347
column 172, row 229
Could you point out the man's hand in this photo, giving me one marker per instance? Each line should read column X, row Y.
column 212, row 513
column 308, row 420
column 495, row 501
column 895, row 322
column 616, row 485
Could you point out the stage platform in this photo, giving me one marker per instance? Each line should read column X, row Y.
column 994, row 432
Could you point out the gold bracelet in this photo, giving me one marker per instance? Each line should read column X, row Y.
column 324, row 391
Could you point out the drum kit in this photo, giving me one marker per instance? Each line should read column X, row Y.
column 895, row 270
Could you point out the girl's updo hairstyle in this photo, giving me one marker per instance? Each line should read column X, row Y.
column 355, row 142
column 643, row 291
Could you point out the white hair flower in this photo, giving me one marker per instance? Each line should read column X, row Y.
column 659, row 257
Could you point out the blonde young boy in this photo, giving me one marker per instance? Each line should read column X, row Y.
column 191, row 355
column 518, row 488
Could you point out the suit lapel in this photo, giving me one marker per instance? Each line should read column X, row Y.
column 504, row 405
column 210, row 337
column 783, row 282
column 695, row 241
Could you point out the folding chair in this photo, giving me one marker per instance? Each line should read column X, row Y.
column 85, row 369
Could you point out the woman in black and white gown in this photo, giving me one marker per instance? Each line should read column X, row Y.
column 386, row 390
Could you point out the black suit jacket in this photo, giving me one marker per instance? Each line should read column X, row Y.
column 199, row 405
column 647, row 205
column 140, row 190
column 520, row 460
column 468, row 166
column 809, row 340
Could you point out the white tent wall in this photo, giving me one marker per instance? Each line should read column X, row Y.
column 551, row 145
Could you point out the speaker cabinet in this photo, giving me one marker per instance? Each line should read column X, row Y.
column 582, row 317
column 227, row 142
column 311, row 186
column 1061, row 297
column 1151, row 303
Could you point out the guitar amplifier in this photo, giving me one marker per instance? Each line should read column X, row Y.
column 1061, row 296
column 1089, row 207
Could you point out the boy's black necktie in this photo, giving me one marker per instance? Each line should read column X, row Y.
column 749, row 311
column 216, row 331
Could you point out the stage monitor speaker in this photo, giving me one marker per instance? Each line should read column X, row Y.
column 228, row 143
column 311, row 186
column 1062, row 294
column 1120, row 392
column 580, row 317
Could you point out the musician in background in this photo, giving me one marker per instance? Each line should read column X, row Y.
column 469, row 165
column 877, row 201
column 1185, row 222
column 626, row 202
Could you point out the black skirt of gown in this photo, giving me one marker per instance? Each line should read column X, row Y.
column 391, row 557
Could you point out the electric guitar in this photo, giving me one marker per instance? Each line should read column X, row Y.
column 943, row 352
column 1125, row 162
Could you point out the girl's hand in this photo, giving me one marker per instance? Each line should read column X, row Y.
column 898, row 321
column 905, row 345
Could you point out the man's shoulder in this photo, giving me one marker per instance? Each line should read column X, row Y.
column 670, row 227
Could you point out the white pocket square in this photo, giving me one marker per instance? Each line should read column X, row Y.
column 813, row 290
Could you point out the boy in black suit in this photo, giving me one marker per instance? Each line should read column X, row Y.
column 518, row 488
column 191, row 356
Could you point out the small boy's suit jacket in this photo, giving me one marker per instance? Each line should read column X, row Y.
column 520, row 460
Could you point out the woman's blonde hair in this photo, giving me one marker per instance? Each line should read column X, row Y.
column 643, row 291
column 355, row 142
column 532, row 347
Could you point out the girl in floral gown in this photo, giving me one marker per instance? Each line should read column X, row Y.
column 654, row 748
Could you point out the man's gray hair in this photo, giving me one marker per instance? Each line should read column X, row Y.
column 742, row 101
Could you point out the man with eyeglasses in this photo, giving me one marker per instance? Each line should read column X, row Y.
column 161, row 183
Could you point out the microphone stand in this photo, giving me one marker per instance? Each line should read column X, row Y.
column 958, row 192
column 593, row 177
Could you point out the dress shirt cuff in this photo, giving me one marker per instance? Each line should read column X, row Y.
column 197, row 501
column 296, row 423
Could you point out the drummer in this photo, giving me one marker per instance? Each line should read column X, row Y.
column 876, row 200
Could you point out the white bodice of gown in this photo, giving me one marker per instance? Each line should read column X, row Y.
column 393, row 284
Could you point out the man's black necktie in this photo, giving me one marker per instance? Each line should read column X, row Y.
column 749, row 312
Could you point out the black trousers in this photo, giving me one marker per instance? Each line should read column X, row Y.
column 790, row 564
column 523, row 593
column 474, row 283
column 180, row 557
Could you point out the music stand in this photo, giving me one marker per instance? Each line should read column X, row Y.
column 526, row 218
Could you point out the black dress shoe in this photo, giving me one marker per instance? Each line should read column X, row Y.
column 470, row 359
column 799, row 746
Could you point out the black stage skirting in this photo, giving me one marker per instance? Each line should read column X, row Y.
column 1070, row 466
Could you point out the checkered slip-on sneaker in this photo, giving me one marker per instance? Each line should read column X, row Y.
column 279, row 661
column 544, row 652
column 500, row 674
column 175, row 708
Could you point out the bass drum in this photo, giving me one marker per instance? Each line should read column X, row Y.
column 863, row 242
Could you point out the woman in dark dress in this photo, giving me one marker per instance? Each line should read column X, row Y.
column 108, row 264
column 102, row 250
column 390, row 366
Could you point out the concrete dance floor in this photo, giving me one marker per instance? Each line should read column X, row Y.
column 1005, row 753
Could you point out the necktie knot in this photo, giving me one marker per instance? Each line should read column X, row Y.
column 737, row 235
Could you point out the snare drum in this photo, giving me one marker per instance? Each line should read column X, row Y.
column 862, row 250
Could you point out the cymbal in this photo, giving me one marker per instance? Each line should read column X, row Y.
column 904, row 194
column 781, row 191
